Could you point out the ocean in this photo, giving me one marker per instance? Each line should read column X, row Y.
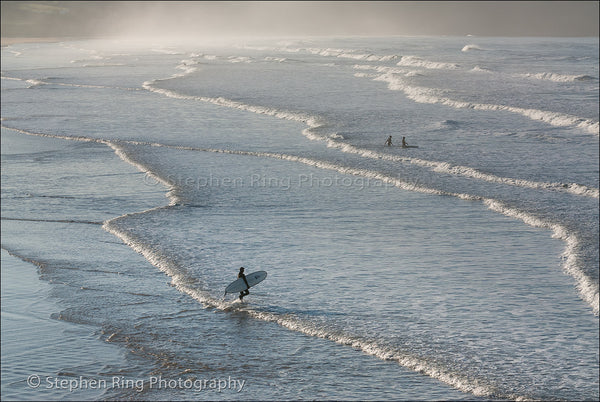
column 138, row 177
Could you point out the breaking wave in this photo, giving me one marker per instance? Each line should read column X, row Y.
column 414, row 61
column 470, row 48
column 557, row 77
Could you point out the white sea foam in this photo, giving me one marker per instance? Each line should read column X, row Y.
column 556, row 77
column 187, row 66
column 11, row 78
column 588, row 288
column 434, row 96
column 32, row 83
column 387, row 70
column 166, row 51
column 15, row 52
column 102, row 65
column 328, row 52
column 414, row 61
column 63, row 137
column 92, row 58
column 367, row 57
column 469, row 48
column 276, row 59
column 35, row 83
column 365, row 75
column 479, row 69
column 240, row 59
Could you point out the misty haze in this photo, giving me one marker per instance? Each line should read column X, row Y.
column 216, row 19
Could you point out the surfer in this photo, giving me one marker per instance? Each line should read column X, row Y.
column 404, row 144
column 388, row 142
column 245, row 292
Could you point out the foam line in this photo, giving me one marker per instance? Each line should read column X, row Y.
column 11, row 78
column 15, row 254
column 556, row 77
column 470, row 48
column 353, row 54
column 58, row 136
column 414, row 61
column 35, row 83
column 52, row 220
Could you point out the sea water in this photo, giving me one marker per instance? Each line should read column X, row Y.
column 138, row 177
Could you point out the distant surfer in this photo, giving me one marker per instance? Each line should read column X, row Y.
column 404, row 144
column 388, row 142
column 243, row 292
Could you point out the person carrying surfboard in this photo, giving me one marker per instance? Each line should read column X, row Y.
column 243, row 282
column 388, row 142
column 404, row 144
column 245, row 292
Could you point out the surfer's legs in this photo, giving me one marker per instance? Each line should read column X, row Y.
column 244, row 293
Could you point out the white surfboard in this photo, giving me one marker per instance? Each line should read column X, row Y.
column 239, row 285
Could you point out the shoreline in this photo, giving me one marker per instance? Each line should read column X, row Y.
column 8, row 41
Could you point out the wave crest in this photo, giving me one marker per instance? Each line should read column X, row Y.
column 557, row 77
column 469, row 48
column 414, row 61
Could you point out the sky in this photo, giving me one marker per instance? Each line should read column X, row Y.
column 213, row 19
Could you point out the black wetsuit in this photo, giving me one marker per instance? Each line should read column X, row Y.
column 243, row 292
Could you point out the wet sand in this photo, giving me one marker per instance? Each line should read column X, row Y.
column 39, row 353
